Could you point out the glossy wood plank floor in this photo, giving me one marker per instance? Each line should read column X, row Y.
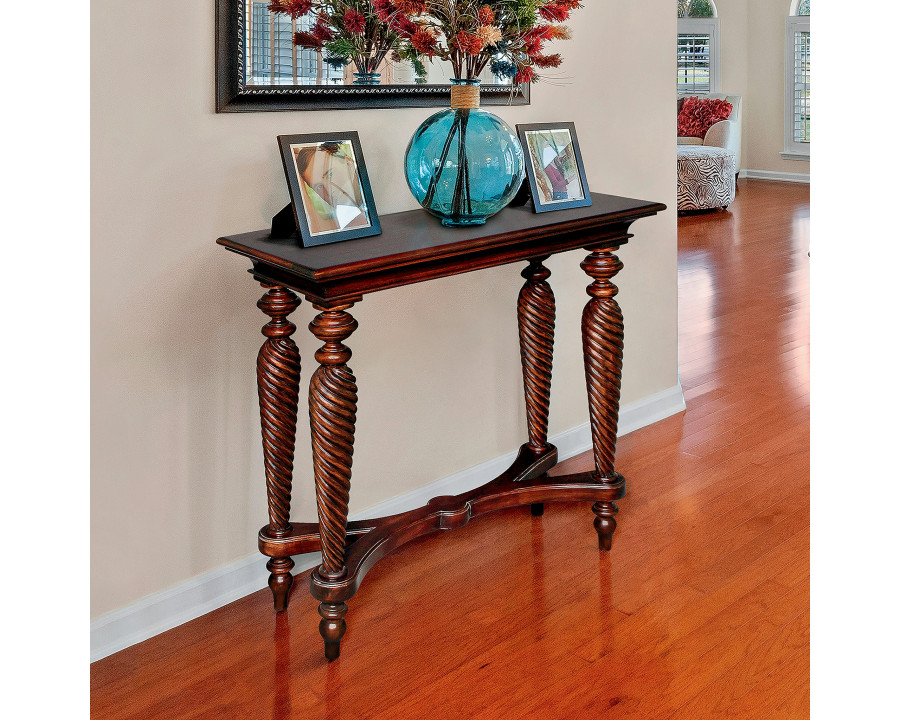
column 701, row 610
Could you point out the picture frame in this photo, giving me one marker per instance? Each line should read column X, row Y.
column 554, row 166
column 331, row 197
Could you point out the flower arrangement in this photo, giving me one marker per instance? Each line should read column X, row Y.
column 510, row 35
column 347, row 31
column 470, row 34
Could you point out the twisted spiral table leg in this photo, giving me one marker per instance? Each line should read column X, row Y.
column 602, row 330
column 278, row 381
column 332, row 417
column 537, row 315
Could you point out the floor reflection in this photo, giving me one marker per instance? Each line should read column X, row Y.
column 538, row 605
column 333, row 690
column 281, row 700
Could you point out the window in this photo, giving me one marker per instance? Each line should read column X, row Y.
column 796, row 83
column 698, row 47
column 274, row 59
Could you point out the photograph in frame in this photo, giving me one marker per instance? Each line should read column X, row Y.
column 554, row 165
column 330, row 191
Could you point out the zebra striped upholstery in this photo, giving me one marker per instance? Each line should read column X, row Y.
column 706, row 177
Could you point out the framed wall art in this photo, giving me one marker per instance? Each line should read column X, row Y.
column 554, row 166
column 331, row 198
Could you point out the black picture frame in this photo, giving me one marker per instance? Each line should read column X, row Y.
column 541, row 198
column 302, row 203
column 233, row 94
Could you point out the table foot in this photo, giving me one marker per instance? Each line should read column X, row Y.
column 280, row 581
column 332, row 627
column 605, row 523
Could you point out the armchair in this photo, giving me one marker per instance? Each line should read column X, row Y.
column 724, row 134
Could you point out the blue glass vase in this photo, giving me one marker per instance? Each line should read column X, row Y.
column 464, row 164
column 367, row 78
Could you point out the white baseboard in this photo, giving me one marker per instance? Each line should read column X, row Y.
column 773, row 175
column 204, row 593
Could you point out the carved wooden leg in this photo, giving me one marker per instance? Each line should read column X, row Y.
column 602, row 331
column 537, row 315
column 278, row 381
column 332, row 416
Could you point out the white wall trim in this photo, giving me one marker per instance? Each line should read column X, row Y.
column 204, row 593
column 773, row 175
column 803, row 157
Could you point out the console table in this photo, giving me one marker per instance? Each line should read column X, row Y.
column 415, row 247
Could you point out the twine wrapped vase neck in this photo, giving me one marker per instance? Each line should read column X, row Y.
column 464, row 164
column 465, row 94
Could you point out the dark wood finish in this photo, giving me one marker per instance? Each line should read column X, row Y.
column 701, row 613
column 233, row 95
column 278, row 383
column 602, row 332
column 332, row 419
column 414, row 248
column 537, row 319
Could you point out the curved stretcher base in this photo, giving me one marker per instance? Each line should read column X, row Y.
column 525, row 483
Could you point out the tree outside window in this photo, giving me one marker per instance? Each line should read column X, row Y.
column 695, row 9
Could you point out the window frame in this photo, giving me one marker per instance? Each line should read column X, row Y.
column 703, row 26
column 793, row 150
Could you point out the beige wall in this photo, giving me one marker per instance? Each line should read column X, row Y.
column 177, row 482
column 752, row 36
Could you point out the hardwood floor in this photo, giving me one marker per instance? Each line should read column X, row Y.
column 700, row 611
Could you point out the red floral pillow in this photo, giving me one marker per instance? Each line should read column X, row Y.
column 699, row 114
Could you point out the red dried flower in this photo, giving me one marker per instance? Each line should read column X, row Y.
column 554, row 12
column 538, row 32
column 525, row 74
column 468, row 44
column 485, row 15
column 294, row 8
column 355, row 21
column 411, row 7
column 307, row 40
column 299, row 8
column 404, row 26
column 384, row 9
column 533, row 47
column 545, row 61
column 533, row 40
column 424, row 42
column 321, row 30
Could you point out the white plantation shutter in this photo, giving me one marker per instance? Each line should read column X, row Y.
column 801, row 87
column 274, row 59
column 698, row 55
column 693, row 63
column 797, row 88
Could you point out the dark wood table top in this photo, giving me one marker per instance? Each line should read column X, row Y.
column 414, row 246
